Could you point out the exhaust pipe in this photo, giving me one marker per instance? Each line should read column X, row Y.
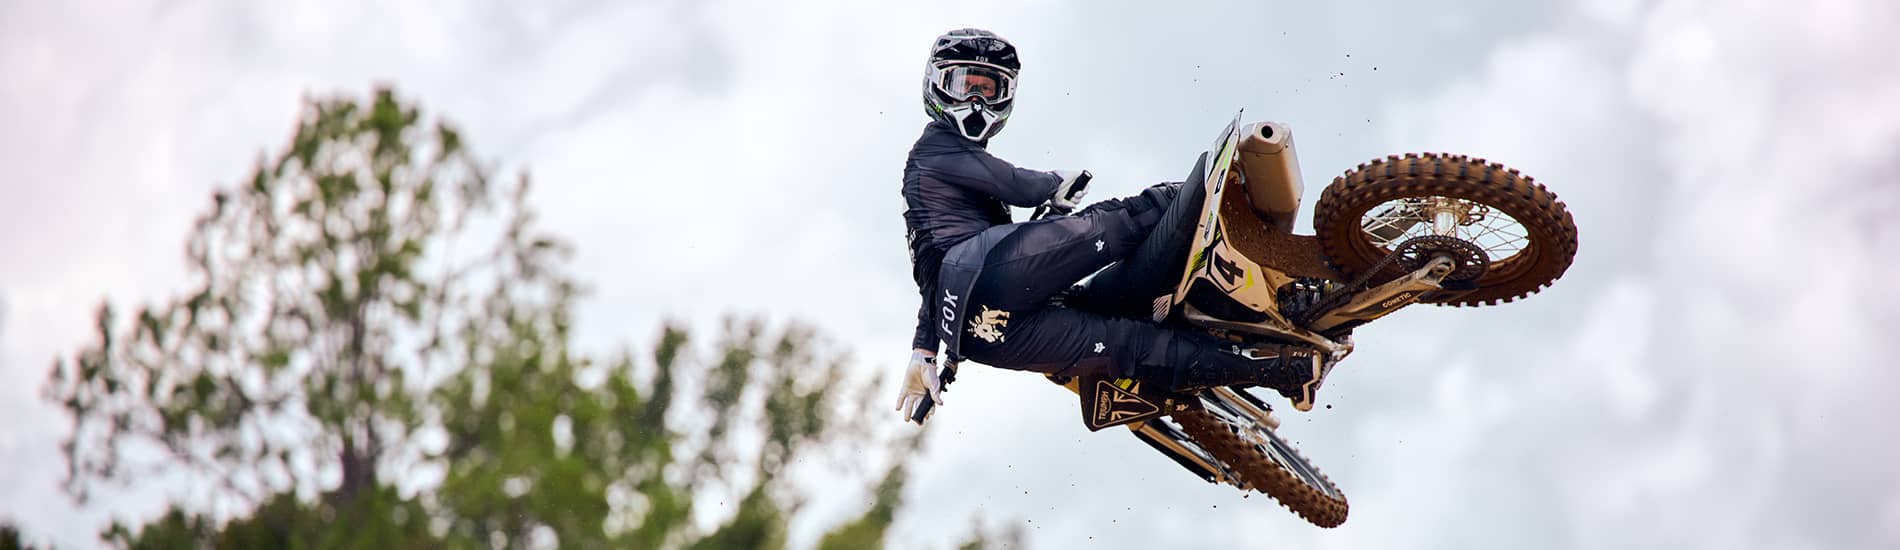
column 1272, row 172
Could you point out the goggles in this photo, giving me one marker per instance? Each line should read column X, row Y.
column 964, row 82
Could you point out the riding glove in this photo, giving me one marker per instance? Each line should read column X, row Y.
column 1074, row 186
column 920, row 380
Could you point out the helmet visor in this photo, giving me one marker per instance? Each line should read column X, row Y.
column 974, row 82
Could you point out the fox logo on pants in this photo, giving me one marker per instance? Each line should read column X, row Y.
column 949, row 312
column 989, row 324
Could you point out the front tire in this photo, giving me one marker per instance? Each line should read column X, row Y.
column 1262, row 460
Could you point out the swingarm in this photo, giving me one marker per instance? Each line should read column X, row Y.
column 1384, row 299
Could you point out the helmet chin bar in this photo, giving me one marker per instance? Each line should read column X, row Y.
column 975, row 121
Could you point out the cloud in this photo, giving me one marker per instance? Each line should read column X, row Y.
column 1723, row 389
column 1708, row 374
column 1783, row 135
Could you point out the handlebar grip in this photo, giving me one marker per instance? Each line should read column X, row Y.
column 1081, row 184
column 922, row 411
column 944, row 377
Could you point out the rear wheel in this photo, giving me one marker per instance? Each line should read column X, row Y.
column 1527, row 235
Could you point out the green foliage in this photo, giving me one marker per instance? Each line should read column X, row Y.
column 292, row 345
column 370, row 309
column 1002, row 538
column 867, row 531
column 10, row 538
column 377, row 519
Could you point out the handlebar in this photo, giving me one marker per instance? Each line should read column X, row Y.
column 944, row 377
column 1081, row 184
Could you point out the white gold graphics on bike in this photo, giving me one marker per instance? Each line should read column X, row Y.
column 1403, row 230
column 1419, row 228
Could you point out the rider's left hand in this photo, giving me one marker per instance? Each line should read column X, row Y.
column 920, row 381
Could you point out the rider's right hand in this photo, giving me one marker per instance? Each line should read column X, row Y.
column 1075, row 185
column 920, row 380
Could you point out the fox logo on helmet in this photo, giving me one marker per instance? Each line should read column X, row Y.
column 975, row 119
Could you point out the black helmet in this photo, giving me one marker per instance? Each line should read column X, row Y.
column 970, row 82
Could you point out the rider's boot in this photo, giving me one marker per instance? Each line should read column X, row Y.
column 1294, row 371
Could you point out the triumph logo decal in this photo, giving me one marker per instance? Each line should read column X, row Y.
column 1114, row 405
column 989, row 324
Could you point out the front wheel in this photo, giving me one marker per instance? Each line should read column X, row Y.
column 1527, row 235
column 1229, row 425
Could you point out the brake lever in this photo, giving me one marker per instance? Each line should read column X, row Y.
column 1046, row 209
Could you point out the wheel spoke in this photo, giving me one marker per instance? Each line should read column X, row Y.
column 1504, row 241
column 1508, row 243
column 1394, row 223
column 1500, row 236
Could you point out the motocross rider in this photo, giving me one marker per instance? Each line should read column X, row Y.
column 985, row 282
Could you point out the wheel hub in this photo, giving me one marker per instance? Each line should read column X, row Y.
column 1468, row 259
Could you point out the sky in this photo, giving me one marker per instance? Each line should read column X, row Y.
column 1708, row 374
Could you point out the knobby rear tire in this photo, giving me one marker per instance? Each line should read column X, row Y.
column 1551, row 232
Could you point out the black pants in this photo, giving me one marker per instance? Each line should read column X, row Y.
column 1007, row 322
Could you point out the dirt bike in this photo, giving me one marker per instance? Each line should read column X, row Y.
column 1419, row 228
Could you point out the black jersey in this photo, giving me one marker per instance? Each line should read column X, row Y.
column 954, row 189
